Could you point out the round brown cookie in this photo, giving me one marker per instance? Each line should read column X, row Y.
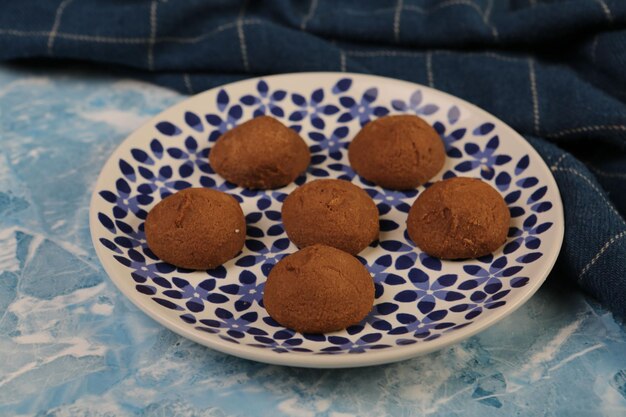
column 336, row 213
column 459, row 218
column 318, row 289
column 398, row 152
column 261, row 153
column 196, row 228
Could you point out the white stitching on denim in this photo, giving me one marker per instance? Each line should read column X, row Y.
column 445, row 4
column 309, row 15
column 558, row 161
column 342, row 61
column 487, row 14
column 24, row 33
column 533, row 91
column 384, row 53
column 102, row 39
column 153, row 29
column 56, row 24
column 128, row 40
column 604, row 248
column 606, row 10
column 409, row 54
column 500, row 57
column 187, row 81
column 586, row 129
column 242, row 36
column 429, row 69
column 397, row 15
column 592, row 185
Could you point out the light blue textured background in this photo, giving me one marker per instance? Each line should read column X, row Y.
column 72, row 345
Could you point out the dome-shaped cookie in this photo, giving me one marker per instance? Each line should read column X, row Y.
column 397, row 152
column 318, row 289
column 336, row 213
column 196, row 228
column 459, row 218
column 260, row 153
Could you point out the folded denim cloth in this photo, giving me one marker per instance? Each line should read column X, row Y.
column 552, row 70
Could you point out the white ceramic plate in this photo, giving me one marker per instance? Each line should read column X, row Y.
column 422, row 304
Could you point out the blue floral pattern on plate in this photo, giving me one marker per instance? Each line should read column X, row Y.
column 420, row 301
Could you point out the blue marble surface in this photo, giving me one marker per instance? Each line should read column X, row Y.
column 72, row 345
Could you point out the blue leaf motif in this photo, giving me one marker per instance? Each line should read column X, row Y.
column 483, row 129
column 405, row 261
column 394, row 245
column 388, row 225
column 393, row 279
column 193, row 121
column 347, row 101
column 146, row 289
column 106, row 222
column 345, row 117
column 406, row 296
column 213, row 119
column 298, row 100
column 399, row 105
column 384, row 261
column 493, row 143
column 222, row 100
column 110, row 245
column 108, row 196
column 141, row 156
column 458, row 134
column 168, row 128
column 430, row 262
column 522, row 165
column 537, row 195
column 385, row 308
column 530, row 257
column 543, row 227
column 317, row 96
column 127, row 170
column 428, row 109
column 464, row 166
column 342, row 86
column 279, row 95
column 262, row 87
column 370, row 95
column 453, row 115
column 235, row 112
column 541, row 207
column 527, row 182
column 156, row 148
column 513, row 197
column 416, row 98
column 167, row 304
column 472, row 148
column 249, row 100
column 446, row 280
column 503, row 180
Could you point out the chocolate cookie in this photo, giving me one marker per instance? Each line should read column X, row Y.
column 459, row 218
column 197, row 228
column 318, row 289
column 336, row 213
column 397, row 152
column 261, row 153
